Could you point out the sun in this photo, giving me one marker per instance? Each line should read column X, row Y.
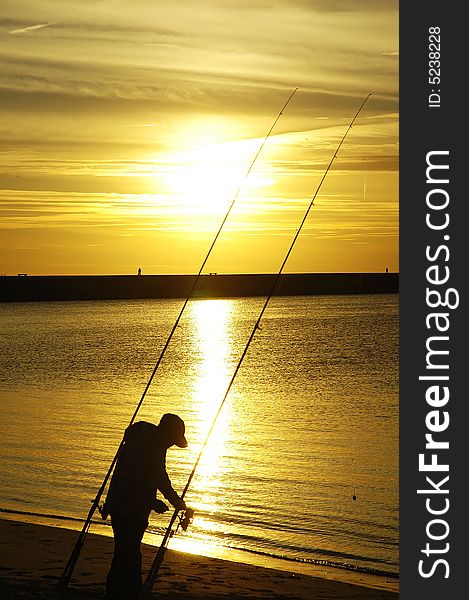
column 205, row 177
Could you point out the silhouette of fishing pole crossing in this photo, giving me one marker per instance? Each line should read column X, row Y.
column 183, row 522
column 70, row 566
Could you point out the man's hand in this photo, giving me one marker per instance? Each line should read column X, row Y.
column 181, row 505
column 160, row 507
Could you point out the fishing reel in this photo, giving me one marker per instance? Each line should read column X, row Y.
column 185, row 518
column 103, row 511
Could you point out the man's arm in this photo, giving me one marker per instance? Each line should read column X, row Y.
column 164, row 483
column 169, row 492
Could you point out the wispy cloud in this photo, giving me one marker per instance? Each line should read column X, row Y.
column 31, row 28
column 115, row 109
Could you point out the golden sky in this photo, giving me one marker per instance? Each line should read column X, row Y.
column 129, row 125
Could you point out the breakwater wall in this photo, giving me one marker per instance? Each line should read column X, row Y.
column 112, row 287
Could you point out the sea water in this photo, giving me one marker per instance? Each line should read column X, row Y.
column 302, row 464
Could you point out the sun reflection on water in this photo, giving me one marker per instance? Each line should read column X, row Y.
column 213, row 349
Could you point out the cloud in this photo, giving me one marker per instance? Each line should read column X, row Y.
column 31, row 28
column 164, row 50
column 103, row 107
column 80, row 29
column 332, row 6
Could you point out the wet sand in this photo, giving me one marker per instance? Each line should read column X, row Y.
column 32, row 558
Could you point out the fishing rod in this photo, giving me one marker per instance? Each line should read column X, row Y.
column 188, row 513
column 69, row 567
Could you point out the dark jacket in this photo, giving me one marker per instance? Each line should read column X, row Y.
column 140, row 471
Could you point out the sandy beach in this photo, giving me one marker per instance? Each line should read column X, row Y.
column 33, row 556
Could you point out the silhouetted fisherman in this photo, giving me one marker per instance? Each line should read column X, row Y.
column 139, row 272
column 140, row 471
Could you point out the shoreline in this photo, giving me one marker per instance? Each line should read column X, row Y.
column 34, row 555
column 40, row 288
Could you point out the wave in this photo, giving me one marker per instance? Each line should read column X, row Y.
column 324, row 562
column 299, row 560
column 43, row 515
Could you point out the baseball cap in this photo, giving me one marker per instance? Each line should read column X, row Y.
column 174, row 425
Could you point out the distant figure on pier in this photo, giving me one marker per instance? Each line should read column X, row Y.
column 387, row 270
column 139, row 272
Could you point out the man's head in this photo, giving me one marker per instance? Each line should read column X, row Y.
column 174, row 429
